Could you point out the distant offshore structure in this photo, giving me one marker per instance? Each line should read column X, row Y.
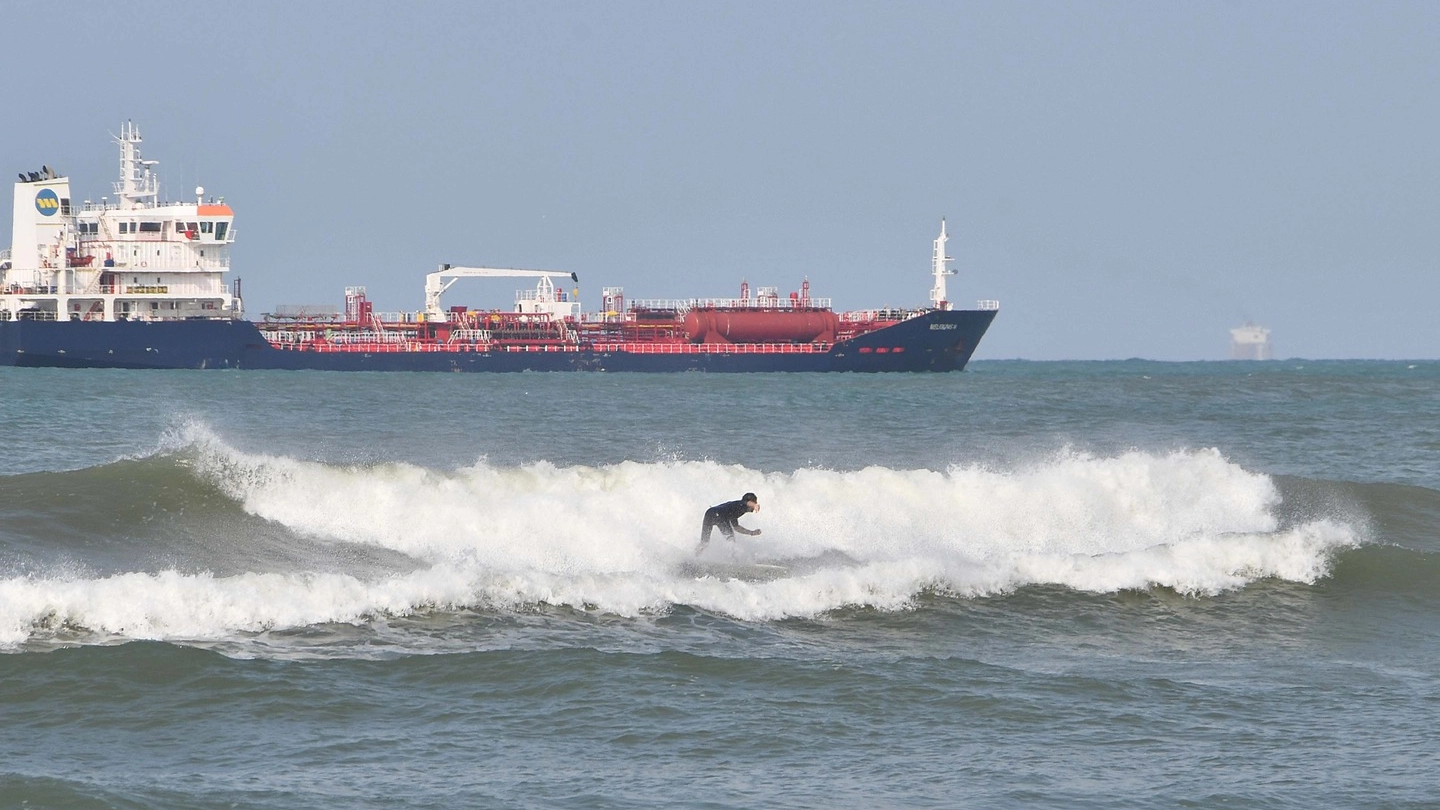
column 1250, row 342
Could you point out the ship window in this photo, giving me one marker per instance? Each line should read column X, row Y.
column 207, row 227
column 149, row 227
column 65, row 206
column 220, row 228
column 124, row 227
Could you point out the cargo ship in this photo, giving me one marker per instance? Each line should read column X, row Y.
column 141, row 283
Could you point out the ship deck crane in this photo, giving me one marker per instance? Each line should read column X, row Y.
column 436, row 283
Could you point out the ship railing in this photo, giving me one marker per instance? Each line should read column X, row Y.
column 558, row 295
column 186, row 290
column 31, row 289
column 885, row 314
column 713, row 348
column 308, row 311
column 206, row 265
column 399, row 317
column 286, row 335
column 687, row 304
column 608, row 317
column 152, row 237
column 91, row 205
column 172, row 289
column 215, row 261
column 408, row 347
column 212, row 290
column 36, row 315
column 470, row 336
column 987, row 304
column 301, row 342
column 365, row 337
column 320, row 320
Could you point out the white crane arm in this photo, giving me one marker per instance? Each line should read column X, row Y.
column 436, row 283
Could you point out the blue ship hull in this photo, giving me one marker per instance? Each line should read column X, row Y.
column 936, row 341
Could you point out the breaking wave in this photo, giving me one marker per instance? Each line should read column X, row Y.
column 254, row 542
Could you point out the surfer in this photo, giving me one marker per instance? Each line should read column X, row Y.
column 727, row 517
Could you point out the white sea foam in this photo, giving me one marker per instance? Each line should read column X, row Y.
column 612, row 538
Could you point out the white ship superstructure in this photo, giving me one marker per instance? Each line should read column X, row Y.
column 135, row 258
column 1250, row 342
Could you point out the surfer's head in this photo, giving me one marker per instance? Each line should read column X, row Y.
column 751, row 501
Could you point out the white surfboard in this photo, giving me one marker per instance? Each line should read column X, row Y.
column 748, row 572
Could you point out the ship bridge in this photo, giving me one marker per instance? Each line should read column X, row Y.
column 135, row 257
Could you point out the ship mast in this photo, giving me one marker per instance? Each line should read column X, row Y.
column 941, row 270
column 137, row 180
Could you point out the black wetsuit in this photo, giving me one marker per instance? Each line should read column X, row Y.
column 726, row 516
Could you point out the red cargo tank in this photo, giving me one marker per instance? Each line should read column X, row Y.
column 761, row 326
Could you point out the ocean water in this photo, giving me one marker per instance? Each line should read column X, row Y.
column 1069, row 585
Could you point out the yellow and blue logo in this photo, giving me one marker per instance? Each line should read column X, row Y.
column 47, row 202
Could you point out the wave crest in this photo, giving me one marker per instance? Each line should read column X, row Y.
column 612, row 538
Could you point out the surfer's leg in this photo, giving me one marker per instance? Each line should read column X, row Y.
column 705, row 531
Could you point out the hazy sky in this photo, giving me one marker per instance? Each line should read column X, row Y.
column 1129, row 179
